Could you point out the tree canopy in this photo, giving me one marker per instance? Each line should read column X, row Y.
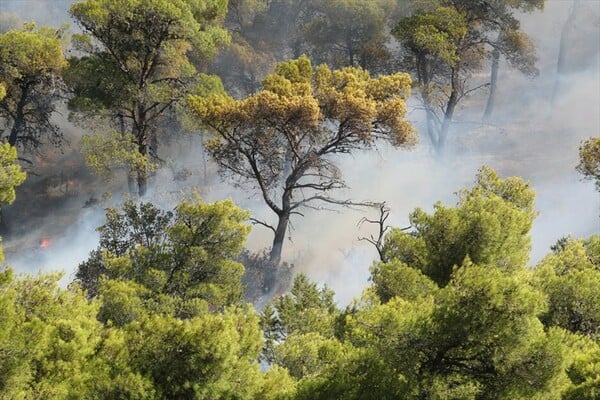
column 589, row 160
column 137, row 63
column 490, row 225
column 487, row 328
column 282, row 138
column 181, row 261
column 446, row 41
column 31, row 65
column 452, row 310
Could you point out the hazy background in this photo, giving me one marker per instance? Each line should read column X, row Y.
column 528, row 137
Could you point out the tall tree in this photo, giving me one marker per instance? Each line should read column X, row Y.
column 476, row 334
column 283, row 138
column 512, row 44
column 519, row 50
column 137, row 64
column 447, row 40
column 350, row 33
column 561, row 64
column 31, row 64
column 264, row 32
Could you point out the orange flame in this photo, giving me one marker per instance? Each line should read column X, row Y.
column 44, row 243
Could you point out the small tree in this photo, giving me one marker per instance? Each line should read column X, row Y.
column 181, row 261
column 31, row 65
column 490, row 225
column 589, row 160
column 282, row 139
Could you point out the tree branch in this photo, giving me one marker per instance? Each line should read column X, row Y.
column 259, row 222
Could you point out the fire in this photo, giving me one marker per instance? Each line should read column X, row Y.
column 44, row 243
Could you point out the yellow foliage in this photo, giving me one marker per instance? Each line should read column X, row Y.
column 284, row 134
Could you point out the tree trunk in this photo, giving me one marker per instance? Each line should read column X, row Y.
column 562, row 51
column 142, row 181
column 19, row 121
column 141, row 135
column 431, row 127
column 142, row 173
column 131, row 185
column 282, row 224
column 489, row 108
column 448, row 114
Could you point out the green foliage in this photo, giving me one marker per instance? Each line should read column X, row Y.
column 489, row 330
column 11, row 174
column 31, row 64
column 53, row 347
column 479, row 337
column 174, row 263
column 163, row 323
column 355, row 32
column 310, row 354
column 137, row 65
column 130, row 34
column 205, row 357
column 570, row 278
column 396, row 279
column 589, row 160
column 490, row 225
column 446, row 41
column 48, row 339
column 438, row 33
column 105, row 154
column 583, row 368
column 306, row 309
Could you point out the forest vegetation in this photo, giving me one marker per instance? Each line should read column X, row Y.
column 171, row 304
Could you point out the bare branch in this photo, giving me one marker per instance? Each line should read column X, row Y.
column 384, row 213
column 472, row 90
column 259, row 222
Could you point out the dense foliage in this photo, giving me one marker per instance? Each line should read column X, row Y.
column 32, row 62
column 452, row 309
column 461, row 318
column 137, row 63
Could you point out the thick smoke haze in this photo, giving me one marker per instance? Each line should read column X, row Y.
column 529, row 136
